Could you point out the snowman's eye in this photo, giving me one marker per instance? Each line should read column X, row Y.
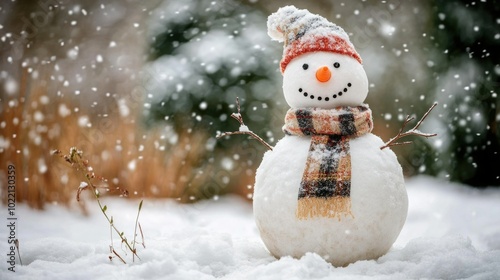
column 336, row 65
column 305, row 66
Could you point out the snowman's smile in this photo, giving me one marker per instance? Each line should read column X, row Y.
column 325, row 98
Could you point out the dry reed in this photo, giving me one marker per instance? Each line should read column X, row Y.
column 146, row 162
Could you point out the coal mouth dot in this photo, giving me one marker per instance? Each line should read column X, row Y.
column 319, row 98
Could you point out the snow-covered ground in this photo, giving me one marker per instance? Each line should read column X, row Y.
column 452, row 232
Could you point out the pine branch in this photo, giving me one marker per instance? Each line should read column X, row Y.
column 413, row 131
column 243, row 128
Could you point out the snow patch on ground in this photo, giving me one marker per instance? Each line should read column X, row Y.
column 452, row 232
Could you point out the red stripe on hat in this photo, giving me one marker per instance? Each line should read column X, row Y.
column 333, row 44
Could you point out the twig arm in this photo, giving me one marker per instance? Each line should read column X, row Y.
column 250, row 133
column 243, row 128
column 413, row 131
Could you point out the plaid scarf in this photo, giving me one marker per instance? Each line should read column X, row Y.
column 325, row 188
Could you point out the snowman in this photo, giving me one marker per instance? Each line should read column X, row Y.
column 326, row 187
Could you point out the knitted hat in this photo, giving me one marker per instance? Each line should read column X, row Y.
column 304, row 32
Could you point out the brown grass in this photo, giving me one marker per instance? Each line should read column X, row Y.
column 162, row 169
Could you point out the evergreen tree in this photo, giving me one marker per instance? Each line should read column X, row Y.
column 205, row 54
column 467, row 39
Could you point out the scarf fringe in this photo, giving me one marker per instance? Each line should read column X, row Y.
column 330, row 207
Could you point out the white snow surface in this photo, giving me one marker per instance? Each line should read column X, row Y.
column 452, row 232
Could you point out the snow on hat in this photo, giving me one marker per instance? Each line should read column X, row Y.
column 304, row 32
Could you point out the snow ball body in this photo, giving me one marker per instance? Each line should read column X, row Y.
column 379, row 202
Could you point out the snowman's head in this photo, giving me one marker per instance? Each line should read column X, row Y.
column 320, row 66
column 324, row 80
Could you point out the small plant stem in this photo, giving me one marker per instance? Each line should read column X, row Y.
column 103, row 210
column 142, row 236
column 135, row 231
column 16, row 242
column 81, row 165
column 116, row 254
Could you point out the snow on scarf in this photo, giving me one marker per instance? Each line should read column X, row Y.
column 326, row 183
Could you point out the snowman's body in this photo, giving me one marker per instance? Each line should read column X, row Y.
column 322, row 72
column 378, row 204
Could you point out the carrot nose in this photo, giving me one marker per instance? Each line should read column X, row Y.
column 323, row 74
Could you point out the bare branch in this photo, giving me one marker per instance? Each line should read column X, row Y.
column 243, row 128
column 237, row 116
column 413, row 131
column 250, row 133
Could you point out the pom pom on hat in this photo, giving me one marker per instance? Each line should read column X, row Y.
column 304, row 32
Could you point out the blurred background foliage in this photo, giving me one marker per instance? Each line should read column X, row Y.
column 143, row 87
column 466, row 35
